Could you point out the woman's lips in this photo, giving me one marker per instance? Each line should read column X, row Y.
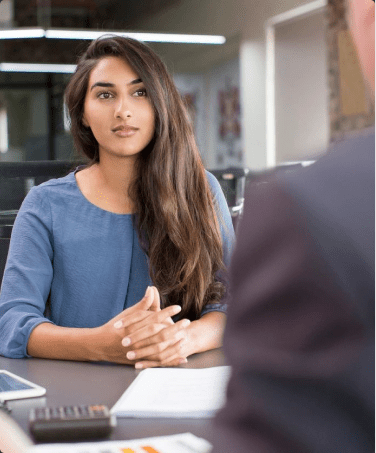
column 125, row 131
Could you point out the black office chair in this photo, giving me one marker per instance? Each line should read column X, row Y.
column 5, row 232
column 233, row 181
column 16, row 179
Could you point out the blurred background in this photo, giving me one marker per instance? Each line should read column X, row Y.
column 277, row 91
column 284, row 83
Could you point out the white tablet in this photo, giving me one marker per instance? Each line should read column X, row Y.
column 13, row 387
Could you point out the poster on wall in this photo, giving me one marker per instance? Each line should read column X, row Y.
column 229, row 124
column 213, row 103
column 229, row 152
column 191, row 89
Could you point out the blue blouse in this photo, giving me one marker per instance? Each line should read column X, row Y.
column 88, row 260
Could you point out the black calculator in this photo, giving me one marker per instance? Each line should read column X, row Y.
column 55, row 424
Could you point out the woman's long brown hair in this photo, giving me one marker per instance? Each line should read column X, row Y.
column 175, row 216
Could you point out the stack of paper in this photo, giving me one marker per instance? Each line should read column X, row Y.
column 178, row 443
column 175, row 393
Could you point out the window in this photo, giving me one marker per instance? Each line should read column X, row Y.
column 33, row 118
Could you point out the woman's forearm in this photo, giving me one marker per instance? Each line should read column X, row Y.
column 49, row 341
column 207, row 332
column 103, row 343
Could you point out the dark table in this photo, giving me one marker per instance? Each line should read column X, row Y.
column 75, row 383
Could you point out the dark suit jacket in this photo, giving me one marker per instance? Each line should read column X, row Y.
column 300, row 332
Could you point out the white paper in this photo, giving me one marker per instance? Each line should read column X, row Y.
column 178, row 443
column 175, row 393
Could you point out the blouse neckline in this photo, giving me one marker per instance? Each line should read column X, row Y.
column 81, row 167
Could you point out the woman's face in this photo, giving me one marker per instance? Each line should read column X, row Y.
column 117, row 109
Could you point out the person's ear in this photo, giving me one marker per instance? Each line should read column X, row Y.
column 84, row 122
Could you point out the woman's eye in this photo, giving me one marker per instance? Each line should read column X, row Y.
column 104, row 95
column 140, row 92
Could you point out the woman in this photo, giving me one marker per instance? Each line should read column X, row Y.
column 143, row 212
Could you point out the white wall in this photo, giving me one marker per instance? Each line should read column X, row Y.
column 301, row 94
column 242, row 22
column 252, row 84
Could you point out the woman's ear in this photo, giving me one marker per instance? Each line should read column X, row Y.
column 84, row 122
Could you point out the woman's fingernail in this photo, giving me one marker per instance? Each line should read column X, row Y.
column 183, row 361
column 131, row 355
column 186, row 322
column 126, row 341
column 138, row 366
column 118, row 324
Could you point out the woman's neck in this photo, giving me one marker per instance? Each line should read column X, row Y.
column 106, row 184
column 115, row 175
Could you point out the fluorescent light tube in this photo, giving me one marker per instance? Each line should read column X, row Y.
column 31, row 67
column 151, row 37
column 27, row 33
column 177, row 38
column 22, row 33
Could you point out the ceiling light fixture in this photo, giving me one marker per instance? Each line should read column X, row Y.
column 23, row 33
column 150, row 37
column 40, row 67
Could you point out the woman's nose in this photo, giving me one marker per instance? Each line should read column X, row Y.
column 122, row 110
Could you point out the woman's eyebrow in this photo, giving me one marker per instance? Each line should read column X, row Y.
column 135, row 82
column 111, row 85
column 102, row 84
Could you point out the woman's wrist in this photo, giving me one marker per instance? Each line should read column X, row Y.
column 206, row 333
column 92, row 344
column 104, row 346
column 193, row 339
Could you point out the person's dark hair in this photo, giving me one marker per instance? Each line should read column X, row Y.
column 175, row 213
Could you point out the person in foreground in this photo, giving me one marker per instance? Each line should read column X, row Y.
column 124, row 259
column 300, row 330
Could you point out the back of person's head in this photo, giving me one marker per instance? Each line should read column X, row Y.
column 361, row 20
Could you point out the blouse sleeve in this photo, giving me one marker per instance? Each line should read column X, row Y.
column 228, row 237
column 28, row 274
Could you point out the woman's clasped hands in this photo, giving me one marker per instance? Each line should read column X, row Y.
column 146, row 336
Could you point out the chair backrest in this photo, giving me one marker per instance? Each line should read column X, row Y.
column 232, row 181
column 17, row 178
column 4, row 246
column 6, row 224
